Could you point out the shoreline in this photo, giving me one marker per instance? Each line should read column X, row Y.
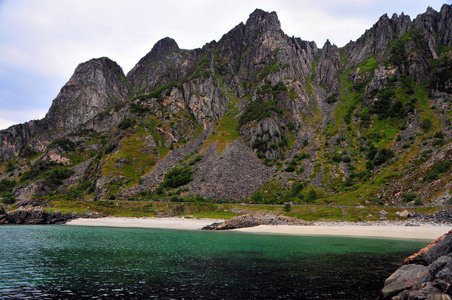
column 391, row 231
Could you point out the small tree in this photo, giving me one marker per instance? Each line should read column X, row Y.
column 287, row 207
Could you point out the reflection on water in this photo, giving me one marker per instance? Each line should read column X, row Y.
column 66, row 262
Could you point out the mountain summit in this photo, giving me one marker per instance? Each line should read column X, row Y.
column 256, row 116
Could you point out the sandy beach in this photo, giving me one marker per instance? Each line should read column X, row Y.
column 423, row 232
column 162, row 223
column 389, row 231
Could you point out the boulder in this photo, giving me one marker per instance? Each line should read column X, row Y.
column 404, row 278
column 403, row 214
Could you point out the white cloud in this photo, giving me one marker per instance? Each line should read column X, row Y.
column 4, row 123
column 12, row 117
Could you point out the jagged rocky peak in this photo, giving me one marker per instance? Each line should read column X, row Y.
column 263, row 21
column 95, row 86
column 328, row 50
column 160, row 50
column 437, row 24
column 165, row 63
column 428, row 30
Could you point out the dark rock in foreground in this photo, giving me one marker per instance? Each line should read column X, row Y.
column 424, row 275
column 35, row 215
column 255, row 219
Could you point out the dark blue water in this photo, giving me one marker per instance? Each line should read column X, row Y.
column 67, row 262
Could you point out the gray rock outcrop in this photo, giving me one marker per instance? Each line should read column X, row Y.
column 255, row 219
column 424, row 275
column 34, row 215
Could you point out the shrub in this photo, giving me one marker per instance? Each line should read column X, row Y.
column 258, row 110
column 6, row 185
column 297, row 188
column 312, row 196
column 418, row 202
column 177, row 177
column 110, row 149
column 10, row 167
column 346, row 159
column 36, row 170
column 257, row 197
column 337, row 157
column 349, row 181
column 408, row 197
column 65, row 144
column 304, row 156
column 431, row 175
column 56, row 176
column 383, row 156
column 125, row 123
column 139, row 108
column 287, row 207
column 195, row 160
column 426, row 124
column 331, row 99
column 8, row 198
column 441, row 167
column 27, row 151
column 291, row 167
column 372, row 152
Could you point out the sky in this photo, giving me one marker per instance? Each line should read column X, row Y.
column 43, row 41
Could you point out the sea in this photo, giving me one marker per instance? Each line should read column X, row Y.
column 78, row 262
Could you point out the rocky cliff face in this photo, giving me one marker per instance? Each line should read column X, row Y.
column 95, row 86
column 255, row 116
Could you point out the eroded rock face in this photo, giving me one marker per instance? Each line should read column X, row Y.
column 425, row 275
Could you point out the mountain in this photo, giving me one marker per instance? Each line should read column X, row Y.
column 257, row 116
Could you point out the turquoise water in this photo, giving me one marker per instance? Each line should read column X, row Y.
column 69, row 262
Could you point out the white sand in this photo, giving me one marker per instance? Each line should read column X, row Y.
column 164, row 223
column 391, row 231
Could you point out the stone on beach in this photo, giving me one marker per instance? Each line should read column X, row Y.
column 255, row 219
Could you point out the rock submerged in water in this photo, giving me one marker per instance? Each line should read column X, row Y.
column 424, row 275
column 255, row 219
column 34, row 215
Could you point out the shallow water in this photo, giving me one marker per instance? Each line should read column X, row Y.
column 70, row 262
